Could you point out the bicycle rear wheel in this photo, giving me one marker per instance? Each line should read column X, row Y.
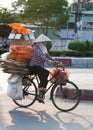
column 29, row 93
column 65, row 97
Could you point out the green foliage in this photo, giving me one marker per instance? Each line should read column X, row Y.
column 7, row 17
column 88, row 4
column 77, row 53
column 77, row 45
column 3, row 50
column 48, row 45
column 45, row 13
column 4, row 30
column 71, row 53
column 89, row 46
column 78, row 48
column 88, row 54
column 55, row 53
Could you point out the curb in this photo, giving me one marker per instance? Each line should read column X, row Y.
column 65, row 61
column 85, row 95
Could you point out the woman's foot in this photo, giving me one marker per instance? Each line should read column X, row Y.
column 42, row 89
column 41, row 95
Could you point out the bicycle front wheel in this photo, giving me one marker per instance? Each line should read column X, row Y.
column 65, row 97
column 29, row 93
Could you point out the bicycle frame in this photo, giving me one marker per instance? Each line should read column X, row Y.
column 37, row 80
column 52, row 84
column 61, row 81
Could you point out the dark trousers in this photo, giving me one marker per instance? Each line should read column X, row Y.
column 42, row 74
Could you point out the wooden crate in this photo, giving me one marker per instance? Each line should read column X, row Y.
column 19, row 42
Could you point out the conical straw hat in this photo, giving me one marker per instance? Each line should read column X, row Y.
column 42, row 38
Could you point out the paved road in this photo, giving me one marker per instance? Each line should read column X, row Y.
column 82, row 77
column 46, row 116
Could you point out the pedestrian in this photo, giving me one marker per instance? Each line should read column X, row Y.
column 5, row 44
column 36, row 66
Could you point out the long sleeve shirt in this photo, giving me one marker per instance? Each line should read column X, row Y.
column 38, row 57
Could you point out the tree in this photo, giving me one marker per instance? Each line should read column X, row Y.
column 7, row 17
column 87, row 4
column 45, row 13
column 4, row 30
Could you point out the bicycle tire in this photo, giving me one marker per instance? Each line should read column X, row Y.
column 29, row 94
column 65, row 97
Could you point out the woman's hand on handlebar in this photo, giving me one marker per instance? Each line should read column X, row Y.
column 57, row 63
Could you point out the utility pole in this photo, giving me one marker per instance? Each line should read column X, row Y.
column 78, row 21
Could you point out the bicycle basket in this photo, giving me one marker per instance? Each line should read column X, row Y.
column 55, row 74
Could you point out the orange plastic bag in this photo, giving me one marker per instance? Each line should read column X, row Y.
column 57, row 74
column 21, row 53
column 18, row 28
column 53, row 71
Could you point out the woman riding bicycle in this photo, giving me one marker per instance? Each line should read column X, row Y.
column 36, row 66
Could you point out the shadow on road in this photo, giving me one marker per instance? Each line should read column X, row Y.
column 32, row 120
column 76, row 122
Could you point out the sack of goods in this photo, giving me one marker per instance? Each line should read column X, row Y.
column 14, row 89
column 55, row 74
column 21, row 53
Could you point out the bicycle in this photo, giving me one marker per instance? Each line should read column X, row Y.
column 64, row 94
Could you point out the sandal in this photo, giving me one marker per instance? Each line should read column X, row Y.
column 41, row 95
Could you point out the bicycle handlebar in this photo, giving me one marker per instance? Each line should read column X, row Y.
column 61, row 65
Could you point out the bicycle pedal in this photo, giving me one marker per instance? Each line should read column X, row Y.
column 41, row 101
